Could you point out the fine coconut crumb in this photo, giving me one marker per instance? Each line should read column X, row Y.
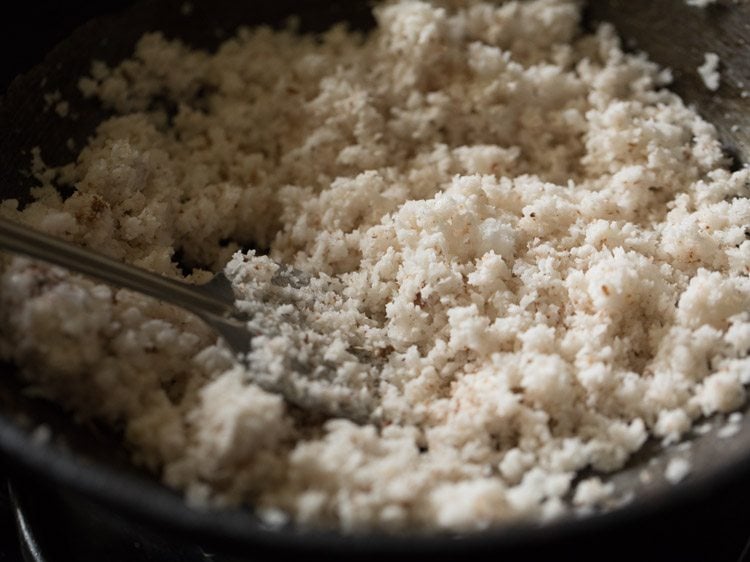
column 709, row 71
column 732, row 426
column 645, row 476
column 62, row 108
column 51, row 99
column 523, row 254
column 729, row 430
column 41, row 435
column 677, row 470
column 592, row 491
column 703, row 428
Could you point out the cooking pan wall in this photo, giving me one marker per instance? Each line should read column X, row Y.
column 105, row 474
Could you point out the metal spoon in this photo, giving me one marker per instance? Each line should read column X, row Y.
column 212, row 302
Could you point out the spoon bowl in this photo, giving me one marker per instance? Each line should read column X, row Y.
column 306, row 384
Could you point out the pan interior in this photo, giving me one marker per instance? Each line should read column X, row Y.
column 25, row 125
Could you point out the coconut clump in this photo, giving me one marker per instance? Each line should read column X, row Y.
column 544, row 247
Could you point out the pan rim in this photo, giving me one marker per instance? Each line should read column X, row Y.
column 148, row 500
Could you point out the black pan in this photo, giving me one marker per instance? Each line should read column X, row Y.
column 87, row 463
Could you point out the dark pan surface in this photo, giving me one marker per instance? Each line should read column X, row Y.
column 88, row 460
column 678, row 36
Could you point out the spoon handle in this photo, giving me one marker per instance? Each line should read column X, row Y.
column 17, row 238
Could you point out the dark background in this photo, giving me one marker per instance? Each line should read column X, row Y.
column 713, row 527
column 28, row 29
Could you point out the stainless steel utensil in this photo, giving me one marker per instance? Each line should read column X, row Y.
column 212, row 302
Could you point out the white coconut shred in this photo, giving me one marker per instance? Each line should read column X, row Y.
column 709, row 71
column 544, row 246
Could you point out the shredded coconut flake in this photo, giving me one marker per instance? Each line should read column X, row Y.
column 677, row 470
column 544, row 249
column 709, row 71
